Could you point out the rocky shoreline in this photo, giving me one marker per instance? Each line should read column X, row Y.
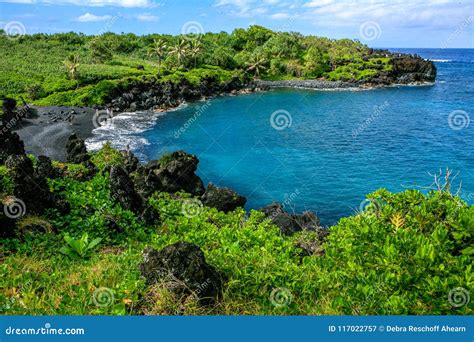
column 328, row 85
column 45, row 132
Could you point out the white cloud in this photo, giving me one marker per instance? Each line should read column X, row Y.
column 343, row 13
column 147, row 17
column 318, row 3
column 280, row 16
column 389, row 13
column 251, row 8
column 92, row 3
column 88, row 17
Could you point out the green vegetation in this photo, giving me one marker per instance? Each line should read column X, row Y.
column 74, row 69
column 403, row 254
column 80, row 248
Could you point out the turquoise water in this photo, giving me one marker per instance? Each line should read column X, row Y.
column 340, row 146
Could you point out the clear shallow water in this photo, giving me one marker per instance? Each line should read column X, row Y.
column 341, row 145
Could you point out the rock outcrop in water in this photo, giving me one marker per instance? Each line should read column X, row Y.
column 223, row 199
column 182, row 268
column 291, row 223
column 406, row 69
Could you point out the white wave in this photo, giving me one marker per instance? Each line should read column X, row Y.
column 124, row 131
column 441, row 60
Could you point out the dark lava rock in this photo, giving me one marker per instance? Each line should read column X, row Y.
column 223, row 199
column 45, row 169
column 183, row 268
column 408, row 69
column 312, row 245
column 172, row 173
column 290, row 223
column 312, row 248
column 123, row 191
column 10, row 144
column 7, row 224
column 76, row 151
column 131, row 162
column 21, row 171
column 30, row 188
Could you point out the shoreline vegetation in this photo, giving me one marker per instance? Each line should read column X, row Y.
column 65, row 77
column 101, row 233
column 72, row 69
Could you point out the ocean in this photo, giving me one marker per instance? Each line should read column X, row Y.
column 321, row 150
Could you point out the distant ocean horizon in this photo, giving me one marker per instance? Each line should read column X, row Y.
column 329, row 149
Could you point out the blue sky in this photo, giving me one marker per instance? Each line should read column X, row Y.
column 378, row 23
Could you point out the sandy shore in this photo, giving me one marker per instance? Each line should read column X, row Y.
column 47, row 133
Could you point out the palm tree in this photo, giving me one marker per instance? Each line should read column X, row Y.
column 194, row 49
column 257, row 63
column 180, row 50
column 159, row 49
column 72, row 64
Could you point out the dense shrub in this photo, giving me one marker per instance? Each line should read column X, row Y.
column 403, row 255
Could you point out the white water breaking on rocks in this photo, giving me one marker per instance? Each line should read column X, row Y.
column 123, row 131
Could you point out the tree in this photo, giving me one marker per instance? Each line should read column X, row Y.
column 316, row 62
column 194, row 49
column 180, row 50
column 257, row 63
column 72, row 64
column 99, row 51
column 158, row 49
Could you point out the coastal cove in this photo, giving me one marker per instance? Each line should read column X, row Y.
column 131, row 167
column 332, row 148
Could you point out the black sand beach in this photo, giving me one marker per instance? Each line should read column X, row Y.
column 47, row 133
